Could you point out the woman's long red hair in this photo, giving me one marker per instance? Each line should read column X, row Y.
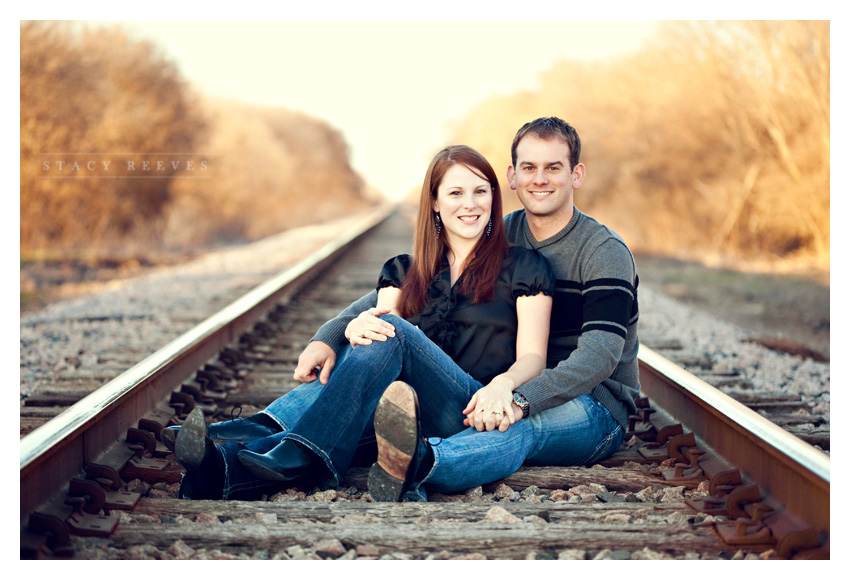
column 485, row 263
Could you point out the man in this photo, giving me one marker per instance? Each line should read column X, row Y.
column 576, row 411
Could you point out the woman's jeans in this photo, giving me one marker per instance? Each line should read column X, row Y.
column 335, row 421
column 331, row 420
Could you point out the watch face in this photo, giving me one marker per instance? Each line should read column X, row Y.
column 522, row 403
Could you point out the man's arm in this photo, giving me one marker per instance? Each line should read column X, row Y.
column 332, row 332
column 321, row 352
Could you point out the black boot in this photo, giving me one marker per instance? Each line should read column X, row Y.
column 204, row 478
column 242, row 430
column 404, row 455
column 289, row 461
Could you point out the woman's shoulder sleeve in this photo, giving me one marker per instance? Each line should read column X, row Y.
column 394, row 271
column 532, row 273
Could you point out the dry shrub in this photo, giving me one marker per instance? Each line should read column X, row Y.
column 90, row 96
column 711, row 142
column 95, row 95
column 270, row 170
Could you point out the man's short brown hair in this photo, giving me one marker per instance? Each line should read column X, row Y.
column 549, row 128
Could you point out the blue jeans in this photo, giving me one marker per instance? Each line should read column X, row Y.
column 335, row 421
column 332, row 420
column 580, row 432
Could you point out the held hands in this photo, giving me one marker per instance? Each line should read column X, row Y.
column 492, row 407
column 368, row 327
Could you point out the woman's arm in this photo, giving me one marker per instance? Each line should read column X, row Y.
column 533, row 315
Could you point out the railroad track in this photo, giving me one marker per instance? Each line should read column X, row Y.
column 701, row 476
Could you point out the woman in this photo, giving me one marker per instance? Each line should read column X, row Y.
column 471, row 320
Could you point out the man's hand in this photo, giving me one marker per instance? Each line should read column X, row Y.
column 368, row 327
column 316, row 355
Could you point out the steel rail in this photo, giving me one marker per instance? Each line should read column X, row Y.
column 788, row 469
column 60, row 449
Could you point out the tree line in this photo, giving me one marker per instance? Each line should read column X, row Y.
column 119, row 154
column 712, row 141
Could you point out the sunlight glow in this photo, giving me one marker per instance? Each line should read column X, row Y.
column 393, row 88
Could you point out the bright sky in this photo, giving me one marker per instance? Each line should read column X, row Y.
column 389, row 86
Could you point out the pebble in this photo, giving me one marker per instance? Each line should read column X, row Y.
column 572, row 555
column 329, row 548
column 323, row 496
column 615, row 518
column 180, row 550
column 472, row 556
column 647, row 554
column 368, row 550
column 500, row 515
column 504, row 491
column 296, row 552
column 206, row 519
column 609, row 497
column 672, row 494
column 265, row 519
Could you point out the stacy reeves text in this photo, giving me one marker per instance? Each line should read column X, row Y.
column 125, row 165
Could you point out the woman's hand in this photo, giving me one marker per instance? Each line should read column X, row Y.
column 491, row 407
column 368, row 327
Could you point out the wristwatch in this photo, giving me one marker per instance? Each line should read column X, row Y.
column 522, row 403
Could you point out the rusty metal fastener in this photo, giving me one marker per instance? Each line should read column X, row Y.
column 150, row 425
column 231, row 357
column 744, row 532
column 677, row 444
column 110, row 480
column 681, row 447
column 724, row 482
column 92, row 525
column 182, row 404
column 57, row 537
column 86, row 496
column 105, row 475
column 140, row 441
column 668, row 432
column 719, row 487
column 660, row 450
column 740, row 496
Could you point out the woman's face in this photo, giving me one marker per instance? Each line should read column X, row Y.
column 464, row 200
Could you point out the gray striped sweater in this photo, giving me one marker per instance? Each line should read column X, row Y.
column 593, row 340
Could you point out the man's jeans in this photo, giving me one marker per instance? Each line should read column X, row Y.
column 580, row 432
column 335, row 421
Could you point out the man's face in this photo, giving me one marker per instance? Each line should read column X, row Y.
column 542, row 177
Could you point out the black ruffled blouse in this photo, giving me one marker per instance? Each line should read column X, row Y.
column 480, row 338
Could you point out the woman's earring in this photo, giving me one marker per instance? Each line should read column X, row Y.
column 439, row 223
column 489, row 227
